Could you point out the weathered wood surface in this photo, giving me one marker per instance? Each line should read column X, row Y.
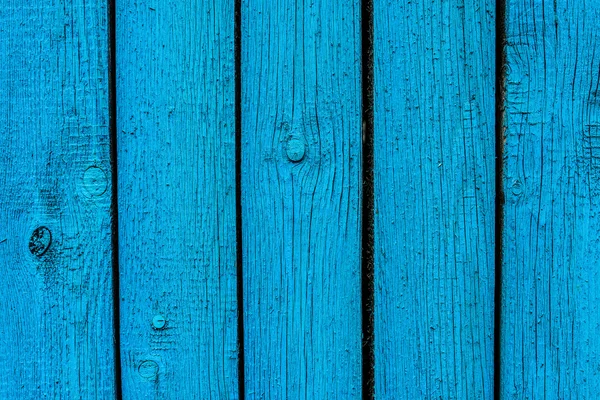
column 176, row 189
column 301, row 184
column 55, row 196
column 550, row 344
column 301, row 160
column 434, row 177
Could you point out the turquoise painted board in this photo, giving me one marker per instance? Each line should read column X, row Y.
column 252, row 153
column 176, row 189
column 300, row 198
column 434, row 156
column 55, row 202
column 551, row 237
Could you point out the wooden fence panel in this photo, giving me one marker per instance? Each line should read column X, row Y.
column 434, row 147
column 55, row 202
column 300, row 171
column 176, row 190
column 301, row 185
column 550, row 291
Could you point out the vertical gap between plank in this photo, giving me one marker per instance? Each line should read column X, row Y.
column 367, row 237
column 112, row 95
column 238, row 194
column 499, row 212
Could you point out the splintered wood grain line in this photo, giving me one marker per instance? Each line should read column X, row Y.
column 55, row 222
column 301, row 184
column 550, row 344
column 177, row 212
column 434, row 180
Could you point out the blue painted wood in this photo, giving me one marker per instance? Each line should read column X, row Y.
column 550, row 291
column 55, row 219
column 434, row 122
column 300, row 182
column 176, row 174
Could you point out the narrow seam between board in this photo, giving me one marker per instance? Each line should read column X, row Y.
column 368, row 210
column 499, row 203
column 114, row 207
column 238, row 194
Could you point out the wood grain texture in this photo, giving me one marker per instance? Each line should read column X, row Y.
column 550, row 289
column 434, row 184
column 55, row 219
column 176, row 174
column 301, row 169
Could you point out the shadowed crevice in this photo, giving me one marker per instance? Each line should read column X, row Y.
column 114, row 207
column 499, row 209
column 238, row 193
column 368, row 210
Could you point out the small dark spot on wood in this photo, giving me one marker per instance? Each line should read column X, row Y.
column 40, row 241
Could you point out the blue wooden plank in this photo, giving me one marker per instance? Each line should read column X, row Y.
column 300, row 182
column 176, row 174
column 55, row 220
column 550, row 291
column 434, row 181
